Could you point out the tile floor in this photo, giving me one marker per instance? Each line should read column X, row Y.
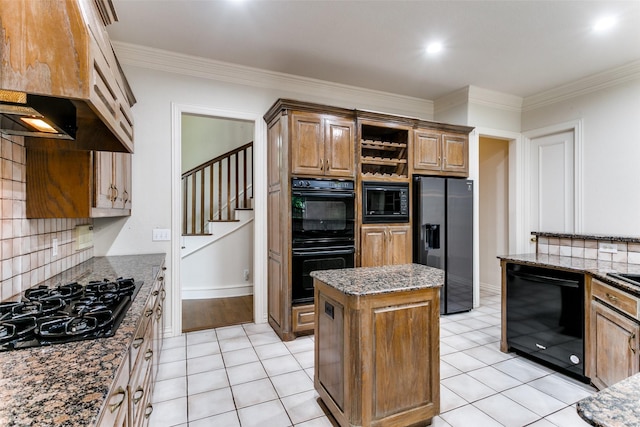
column 245, row 376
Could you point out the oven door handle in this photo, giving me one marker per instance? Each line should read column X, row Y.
column 336, row 195
column 546, row 279
column 323, row 252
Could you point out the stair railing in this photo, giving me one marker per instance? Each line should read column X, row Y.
column 213, row 190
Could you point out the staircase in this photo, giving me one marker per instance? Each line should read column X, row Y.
column 214, row 190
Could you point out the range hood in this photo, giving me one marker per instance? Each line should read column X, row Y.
column 37, row 116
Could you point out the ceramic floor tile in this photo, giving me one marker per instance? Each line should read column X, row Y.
column 543, row 423
column 495, row 379
column 479, row 337
column 257, row 328
column 201, row 337
column 246, row 373
column 253, row 393
column 447, row 370
column 449, row 400
column 438, row 421
column 462, row 361
column 281, row 365
column 302, row 406
column 446, row 349
column 300, row 344
column 236, row 343
column 489, row 354
column 456, row 328
column 173, row 342
column 467, row 387
column 562, row 389
column 203, row 349
column 567, row 417
column 171, row 370
column 264, row 338
column 206, row 381
column 316, row 422
column 210, row 403
column 461, row 417
column 459, row 342
column 269, row 351
column 228, row 332
column 522, row 369
column 292, row 383
column 305, row 358
column 228, row 419
column 270, row 414
column 173, row 354
column 506, row 411
column 170, row 389
column 169, row 413
column 534, row 400
column 239, row 357
column 204, row 363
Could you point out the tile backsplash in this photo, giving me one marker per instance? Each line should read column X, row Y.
column 26, row 244
column 604, row 250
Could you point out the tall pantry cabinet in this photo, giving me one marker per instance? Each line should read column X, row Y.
column 302, row 140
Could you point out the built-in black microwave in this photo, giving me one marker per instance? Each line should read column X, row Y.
column 385, row 202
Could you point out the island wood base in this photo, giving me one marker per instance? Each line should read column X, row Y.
column 377, row 358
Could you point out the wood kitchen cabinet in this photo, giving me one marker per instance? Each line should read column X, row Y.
column 322, row 145
column 77, row 183
column 615, row 332
column 385, row 245
column 444, row 153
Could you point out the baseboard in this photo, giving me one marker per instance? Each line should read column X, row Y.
column 222, row 292
column 490, row 287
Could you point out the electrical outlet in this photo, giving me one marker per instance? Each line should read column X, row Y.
column 161, row 234
column 610, row 248
column 245, row 273
column 54, row 247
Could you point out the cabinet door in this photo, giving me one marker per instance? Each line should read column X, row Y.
column 456, row 153
column 122, row 180
column 615, row 339
column 427, row 154
column 307, row 144
column 104, row 184
column 373, row 245
column 339, row 147
column 399, row 245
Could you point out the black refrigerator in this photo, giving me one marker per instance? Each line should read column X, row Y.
column 443, row 236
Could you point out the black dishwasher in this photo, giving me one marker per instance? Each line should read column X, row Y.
column 545, row 317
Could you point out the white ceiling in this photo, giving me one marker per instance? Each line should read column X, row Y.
column 516, row 47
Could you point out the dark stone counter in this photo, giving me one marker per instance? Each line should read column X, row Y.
column 67, row 384
column 377, row 280
column 615, row 406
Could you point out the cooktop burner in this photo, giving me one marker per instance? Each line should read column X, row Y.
column 65, row 313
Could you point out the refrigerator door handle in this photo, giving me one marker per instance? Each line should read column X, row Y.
column 432, row 236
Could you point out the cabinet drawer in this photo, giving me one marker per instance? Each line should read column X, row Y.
column 303, row 317
column 116, row 407
column 615, row 298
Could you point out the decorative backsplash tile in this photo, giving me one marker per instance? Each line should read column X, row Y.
column 26, row 244
column 613, row 249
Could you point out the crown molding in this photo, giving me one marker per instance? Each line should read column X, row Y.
column 493, row 99
column 452, row 100
column 586, row 85
column 187, row 65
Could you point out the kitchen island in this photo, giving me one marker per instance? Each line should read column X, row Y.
column 377, row 359
column 615, row 406
column 69, row 384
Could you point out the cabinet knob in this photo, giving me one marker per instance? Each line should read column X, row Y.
column 148, row 410
column 138, row 342
column 121, row 394
column 632, row 337
column 327, row 168
column 137, row 396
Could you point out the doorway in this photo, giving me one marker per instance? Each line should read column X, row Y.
column 493, row 209
column 217, row 261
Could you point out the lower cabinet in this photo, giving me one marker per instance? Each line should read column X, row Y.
column 385, row 245
column 129, row 402
column 614, row 335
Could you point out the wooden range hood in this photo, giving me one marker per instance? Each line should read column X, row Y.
column 61, row 49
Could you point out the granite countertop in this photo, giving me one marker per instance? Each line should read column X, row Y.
column 377, row 280
column 596, row 268
column 67, row 384
column 615, row 406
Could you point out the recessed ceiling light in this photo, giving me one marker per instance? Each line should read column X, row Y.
column 604, row 24
column 433, row 48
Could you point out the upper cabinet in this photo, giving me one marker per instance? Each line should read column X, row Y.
column 61, row 49
column 442, row 153
column 322, row 145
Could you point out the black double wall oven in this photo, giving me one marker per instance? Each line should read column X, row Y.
column 323, row 230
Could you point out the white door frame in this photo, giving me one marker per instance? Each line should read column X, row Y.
column 259, row 206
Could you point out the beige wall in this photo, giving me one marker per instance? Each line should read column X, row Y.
column 25, row 249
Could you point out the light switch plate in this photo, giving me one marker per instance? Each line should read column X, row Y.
column 161, row 234
column 610, row 248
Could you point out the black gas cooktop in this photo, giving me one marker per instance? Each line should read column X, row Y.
column 65, row 313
